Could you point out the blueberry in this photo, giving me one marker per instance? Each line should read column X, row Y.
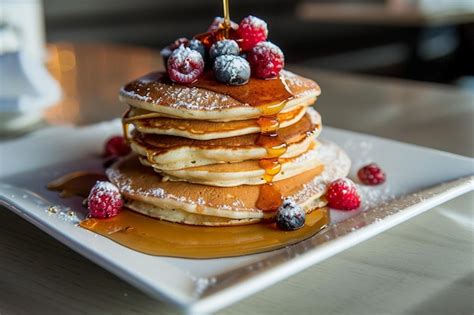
column 290, row 216
column 195, row 44
column 233, row 70
column 224, row 47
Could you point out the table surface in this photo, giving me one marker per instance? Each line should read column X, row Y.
column 424, row 266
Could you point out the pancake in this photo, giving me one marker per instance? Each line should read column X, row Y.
column 242, row 173
column 210, row 100
column 148, row 122
column 145, row 192
column 180, row 216
column 172, row 153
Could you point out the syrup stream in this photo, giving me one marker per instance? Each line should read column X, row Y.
column 225, row 6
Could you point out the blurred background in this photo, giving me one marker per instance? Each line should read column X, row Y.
column 429, row 40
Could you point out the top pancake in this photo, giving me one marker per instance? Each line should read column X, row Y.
column 209, row 100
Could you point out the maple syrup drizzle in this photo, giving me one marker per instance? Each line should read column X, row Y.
column 270, row 198
column 223, row 32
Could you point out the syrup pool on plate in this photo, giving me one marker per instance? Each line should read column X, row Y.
column 162, row 238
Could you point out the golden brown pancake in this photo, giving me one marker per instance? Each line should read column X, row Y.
column 247, row 172
column 170, row 152
column 149, row 122
column 209, row 100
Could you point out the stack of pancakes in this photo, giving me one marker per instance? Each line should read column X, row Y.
column 197, row 157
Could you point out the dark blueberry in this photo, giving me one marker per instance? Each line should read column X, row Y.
column 290, row 216
column 224, row 47
column 233, row 70
column 195, row 44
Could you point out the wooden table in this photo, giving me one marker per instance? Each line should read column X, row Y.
column 423, row 266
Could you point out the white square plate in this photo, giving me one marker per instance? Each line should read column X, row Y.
column 418, row 179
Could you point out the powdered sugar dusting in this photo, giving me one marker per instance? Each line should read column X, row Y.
column 102, row 188
column 149, row 90
column 309, row 155
column 124, row 184
column 373, row 196
column 298, row 85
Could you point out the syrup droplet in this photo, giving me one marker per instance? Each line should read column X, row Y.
column 271, row 166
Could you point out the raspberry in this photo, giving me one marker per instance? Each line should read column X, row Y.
column 232, row 70
column 266, row 60
column 218, row 23
column 371, row 174
column 104, row 200
column 290, row 216
column 168, row 50
column 116, row 146
column 342, row 194
column 185, row 65
column 252, row 31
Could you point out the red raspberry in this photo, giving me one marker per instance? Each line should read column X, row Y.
column 342, row 194
column 168, row 50
column 104, row 200
column 185, row 65
column 266, row 60
column 116, row 146
column 371, row 174
column 218, row 22
column 252, row 31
